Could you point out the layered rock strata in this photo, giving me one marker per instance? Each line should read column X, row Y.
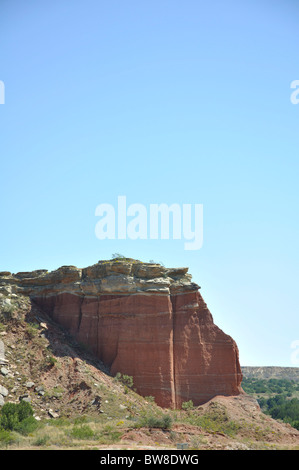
column 143, row 320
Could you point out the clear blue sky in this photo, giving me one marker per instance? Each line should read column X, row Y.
column 163, row 102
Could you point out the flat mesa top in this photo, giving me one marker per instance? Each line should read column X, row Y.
column 118, row 275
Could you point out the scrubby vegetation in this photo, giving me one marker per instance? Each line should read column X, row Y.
column 126, row 380
column 57, row 433
column 215, row 420
column 277, row 398
column 16, row 417
column 68, row 400
column 283, row 408
column 151, row 421
column 270, row 386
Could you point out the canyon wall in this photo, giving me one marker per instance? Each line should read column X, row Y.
column 143, row 320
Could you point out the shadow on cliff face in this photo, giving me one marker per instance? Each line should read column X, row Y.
column 205, row 358
column 60, row 342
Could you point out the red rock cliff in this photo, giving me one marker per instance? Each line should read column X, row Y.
column 142, row 320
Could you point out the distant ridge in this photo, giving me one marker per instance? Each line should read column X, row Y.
column 271, row 372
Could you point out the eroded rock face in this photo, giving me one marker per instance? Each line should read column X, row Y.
column 142, row 320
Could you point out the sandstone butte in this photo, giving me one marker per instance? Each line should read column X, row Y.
column 143, row 320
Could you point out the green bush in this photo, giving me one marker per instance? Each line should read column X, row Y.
column 27, row 426
column 5, row 437
column 151, row 421
column 17, row 417
column 187, row 405
column 9, row 417
column 295, row 424
column 126, row 380
column 116, row 256
column 24, row 410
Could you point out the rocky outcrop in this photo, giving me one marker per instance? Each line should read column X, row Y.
column 143, row 320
